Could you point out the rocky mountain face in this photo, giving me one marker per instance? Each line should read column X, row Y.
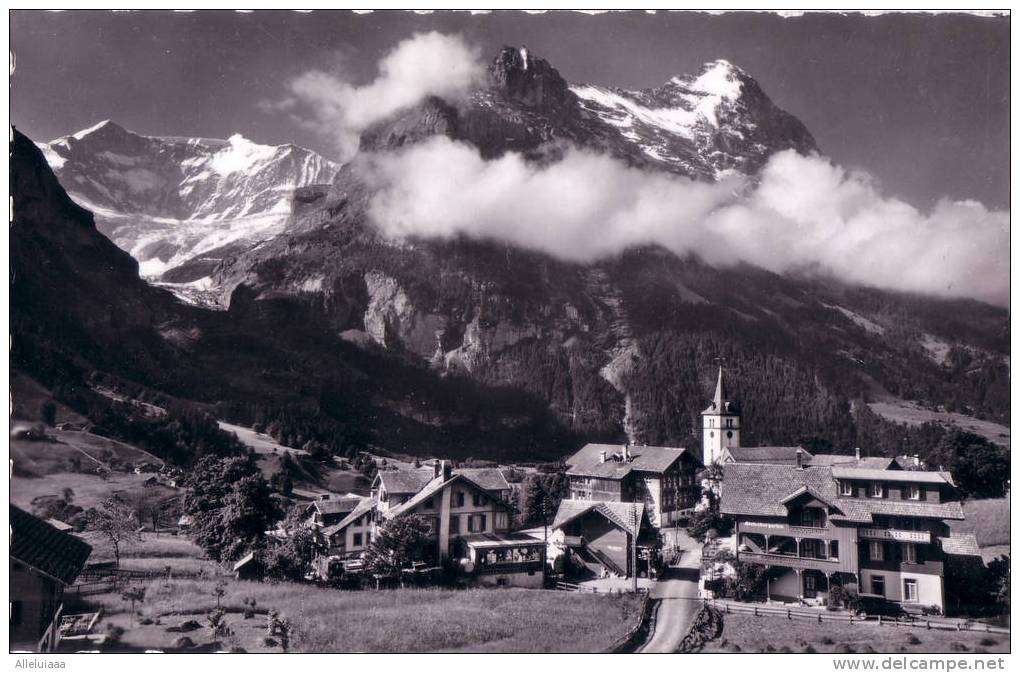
column 168, row 201
column 466, row 347
column 625, row 347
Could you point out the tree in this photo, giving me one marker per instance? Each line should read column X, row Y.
column 117, row 522
column 540, row 497
column 398, row 542
column 134, row 595
column 231, row 505
column 980, row 468
column 290, row 558
column 998, row 571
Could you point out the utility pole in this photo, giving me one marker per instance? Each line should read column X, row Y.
column 633, row 548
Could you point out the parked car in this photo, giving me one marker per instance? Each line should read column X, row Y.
column 875, row 607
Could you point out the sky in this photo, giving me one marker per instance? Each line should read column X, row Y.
column 920, row 102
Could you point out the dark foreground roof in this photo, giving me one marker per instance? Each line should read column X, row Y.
column 39, row 545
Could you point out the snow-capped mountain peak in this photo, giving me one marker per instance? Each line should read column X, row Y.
column 706, row 125
column 168, row 199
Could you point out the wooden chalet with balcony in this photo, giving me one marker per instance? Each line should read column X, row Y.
column 881, row 530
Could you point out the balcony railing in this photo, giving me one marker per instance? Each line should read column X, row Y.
column 787, row 530
column 519, row 567
column 917, row 536
column 786, row 561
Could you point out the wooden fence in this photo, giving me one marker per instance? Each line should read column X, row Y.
column 580, row 588
column 820, row 616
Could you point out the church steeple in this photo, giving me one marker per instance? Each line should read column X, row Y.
column 720, row 425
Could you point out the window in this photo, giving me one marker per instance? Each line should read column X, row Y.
column 357, row 539
column 909, row 553
column 846, row 487
column 914, row 491
column 454, row 525
column 876, row 550
column 834, row 549
column 368, row 539
column 429, row 504
column 729, row 422
column 458, row 499
column 876, row 490
column 910, row 590
column 478, row 499
column 476, row 523
column 878, row 585
column 809, row 585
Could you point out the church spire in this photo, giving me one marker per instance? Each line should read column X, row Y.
column 720, row 393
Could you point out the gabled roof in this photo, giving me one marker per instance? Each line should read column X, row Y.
column 621, row 514
column 365, row 506
column 40, row 546
column 435, row 486
column 489, row 478
column 768, row 454
column 805, row 490
column 588, row 460
column 754, row 489
column 337, row 506
column 405, row 481
column 960, row 544
column 759, row 489
column 914, row 476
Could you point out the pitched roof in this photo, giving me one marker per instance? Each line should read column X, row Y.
column 588, row 460
column 868, row 462
column 337, row 506
column 39, row 545
column 960, row 544
column 406, row 481
column 915, row 476
column 489, row 478
column 755, row 489
column 365, row 506
column 435, row 486
column 619, row 513
column 768, row 454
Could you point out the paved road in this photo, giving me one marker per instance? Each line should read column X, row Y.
column 678, row 591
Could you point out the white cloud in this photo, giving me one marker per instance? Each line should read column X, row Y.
column 426, row 64
column 805, row 213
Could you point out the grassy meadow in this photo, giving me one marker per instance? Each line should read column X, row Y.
column 404, row 620
column 988, row 520
column 747, row 633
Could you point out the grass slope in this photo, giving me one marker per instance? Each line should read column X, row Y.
column 989, row 521
column 405, row 620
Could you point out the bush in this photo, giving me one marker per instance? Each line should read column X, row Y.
column 988, row 642
column 912, row 639
column 958, row 647
column 827, row 641
column 182, row 642
column 931, row 610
